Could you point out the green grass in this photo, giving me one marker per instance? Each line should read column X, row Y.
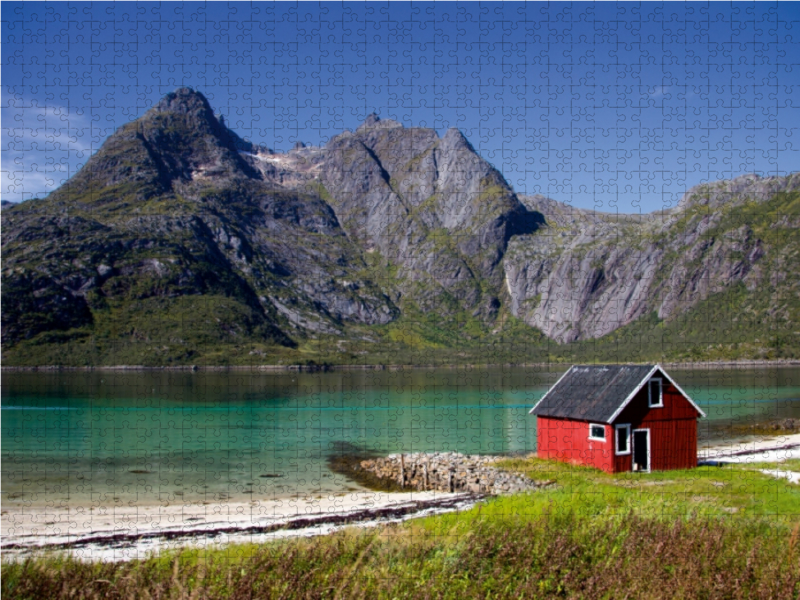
column 736, row 495
column 418, row 337
column 705, row 533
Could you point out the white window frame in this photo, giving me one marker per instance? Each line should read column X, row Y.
column 660, row 402
column 597, row 439
column 627, row 427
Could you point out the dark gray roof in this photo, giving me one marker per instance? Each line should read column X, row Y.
column 591, row 393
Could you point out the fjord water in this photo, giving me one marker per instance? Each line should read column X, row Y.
column 147, row 437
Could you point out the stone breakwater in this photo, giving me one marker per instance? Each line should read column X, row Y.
column 448, row 472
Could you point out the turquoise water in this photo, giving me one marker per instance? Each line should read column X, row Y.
column 154, row 437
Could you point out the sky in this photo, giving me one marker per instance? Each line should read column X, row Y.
column 619, row 107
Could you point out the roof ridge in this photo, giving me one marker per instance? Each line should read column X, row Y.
column 592, row 392
column 616, row 365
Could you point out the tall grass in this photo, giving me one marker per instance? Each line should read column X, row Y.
column 564, row 555
column 703, row 533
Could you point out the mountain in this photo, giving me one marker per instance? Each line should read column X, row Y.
column 590, row 273
column 180, row 242
column 168, row 240
column 428, row 211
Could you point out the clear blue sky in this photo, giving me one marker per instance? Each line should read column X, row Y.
column 611, row 106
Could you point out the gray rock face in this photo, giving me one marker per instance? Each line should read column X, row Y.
column 177, row 214
column 430, row 210
column 590, row 273
column 169, row 208
column 432, row 207
column 739, row 189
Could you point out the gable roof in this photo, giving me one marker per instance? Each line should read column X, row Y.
column 598, row 393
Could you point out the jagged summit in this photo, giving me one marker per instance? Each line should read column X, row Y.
column 184, row 100
column 455, row 138
column 373, row 121
column 750, row 185
column 178, row 140
column 178, row 220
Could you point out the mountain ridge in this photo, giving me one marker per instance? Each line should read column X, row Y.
column 180, row 241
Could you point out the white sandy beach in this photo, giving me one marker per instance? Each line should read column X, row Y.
column 124, row 533
column 128, row 532
column 759, row 449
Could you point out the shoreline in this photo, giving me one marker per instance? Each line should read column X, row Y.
column 133, row 531
column 757, row 448
column 333, row 367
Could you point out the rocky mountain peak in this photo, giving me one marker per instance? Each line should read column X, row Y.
column 454, row 139
column 749, row 186
column 184, row 100
column 179, row 216
column 178, row 140
column 189, row 111
column 373, row 122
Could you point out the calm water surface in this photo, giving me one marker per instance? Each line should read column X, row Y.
column 150, row 437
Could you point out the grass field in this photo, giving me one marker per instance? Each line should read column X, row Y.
column 712, row 532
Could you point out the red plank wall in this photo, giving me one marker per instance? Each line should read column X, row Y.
column 673, row 435
column 673, row 430
column 568, row 441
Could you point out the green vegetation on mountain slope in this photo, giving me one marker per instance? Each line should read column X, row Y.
column 178, row 243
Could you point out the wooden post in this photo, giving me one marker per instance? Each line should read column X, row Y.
column 402, row 470
column 450, row 480
column 425, row 476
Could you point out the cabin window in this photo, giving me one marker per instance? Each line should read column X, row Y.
column 623, row 439
column 597, row 432
column 655, row 393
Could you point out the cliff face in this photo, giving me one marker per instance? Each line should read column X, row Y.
column 588, row 273
column 169, row 233
column 429, row 211
column 430, row 206
column 179, row 237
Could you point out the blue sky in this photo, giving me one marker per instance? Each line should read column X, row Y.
column 618, row 107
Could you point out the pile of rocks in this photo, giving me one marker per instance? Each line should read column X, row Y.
column 448, row 472
column 787, row 425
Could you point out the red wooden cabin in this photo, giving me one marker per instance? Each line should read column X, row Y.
column 618, row 418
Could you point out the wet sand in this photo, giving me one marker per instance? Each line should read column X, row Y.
column 114, row 533
column 759, row 449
